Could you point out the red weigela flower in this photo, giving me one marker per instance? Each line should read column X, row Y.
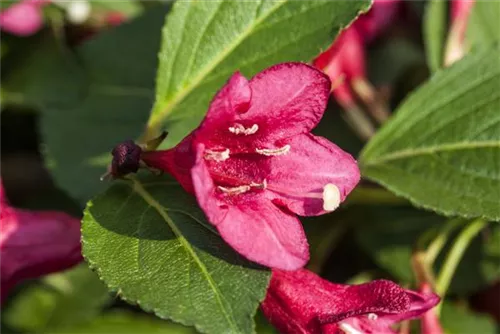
column 460, row 11
column 253, row 163
column 346, row 57
column 23, row 18
column 380, row 16
column 430, row 323
column 35, row 243
column 302, row 302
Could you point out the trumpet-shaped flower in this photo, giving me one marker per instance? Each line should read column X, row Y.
column 35, row 243
column 23, row 18
column 253, row 163
column 302, row 302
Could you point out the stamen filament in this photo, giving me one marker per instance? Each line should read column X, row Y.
column 270, row 152
column 235, row 190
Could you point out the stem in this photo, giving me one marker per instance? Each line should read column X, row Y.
column 455, row 255
column 422, row 270
column 439, row 241
column 368, row 94
column 359, row 122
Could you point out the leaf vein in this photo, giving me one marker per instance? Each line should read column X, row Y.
column 141, row 191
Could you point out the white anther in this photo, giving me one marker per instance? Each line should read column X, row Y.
column 235, row 190
column 331, row 197
column 270, row 152
column 217, row 155
column 240, row 129
column 372, row 316
column 348, row 329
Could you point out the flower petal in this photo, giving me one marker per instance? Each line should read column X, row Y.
column 311, row 164
column 233, row 99
column 252, row 225
column 290, row 97
column 379, row 296
column 420, row 304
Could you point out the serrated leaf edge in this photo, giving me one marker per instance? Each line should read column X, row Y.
column 87, row 216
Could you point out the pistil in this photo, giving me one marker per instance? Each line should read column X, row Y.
column 330, row 195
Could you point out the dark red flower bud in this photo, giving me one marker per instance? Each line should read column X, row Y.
column 126, row 159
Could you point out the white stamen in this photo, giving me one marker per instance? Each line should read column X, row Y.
column 235, row 190
column 270, row 152
column 217, row 155
column 240, row 129
column 243, row 189
column 262, row 185
column 331, row 197
column 348, row 329
column 372, row 316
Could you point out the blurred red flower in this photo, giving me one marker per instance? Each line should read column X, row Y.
column 23, row 18
column 35, row 243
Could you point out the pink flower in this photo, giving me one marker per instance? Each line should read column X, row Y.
column 460, row 12
column 114, row 18
column 35, row 243
column 430, row 320
column 302, row 302
column 253, row 163
column 23, row 18
column 345, row 58
column 377, row 19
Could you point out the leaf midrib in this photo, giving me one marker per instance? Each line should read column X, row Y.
column 409, row 153
column 141, row 191
column 161, row 110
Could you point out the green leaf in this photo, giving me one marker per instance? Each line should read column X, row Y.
column 121, row 322
column 391, row 234
column 483, row 28
column 65, row 300
column 205, row 42
column 457, row 319
column 441, row 149
column 149, row 240
column 120, row 64
column 435, row 32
